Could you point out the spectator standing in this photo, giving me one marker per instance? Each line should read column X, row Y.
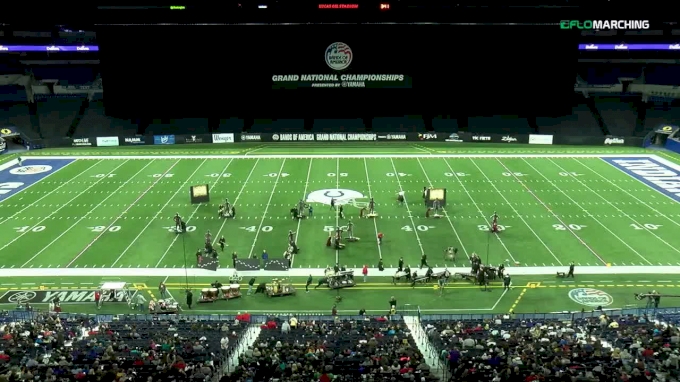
column 364, row 272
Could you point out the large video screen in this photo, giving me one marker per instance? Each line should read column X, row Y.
column 331, row 69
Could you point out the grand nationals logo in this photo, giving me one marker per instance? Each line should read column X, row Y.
column 339, row 56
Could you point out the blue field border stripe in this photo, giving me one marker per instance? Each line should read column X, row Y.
column 15, row 178
column 660, row 175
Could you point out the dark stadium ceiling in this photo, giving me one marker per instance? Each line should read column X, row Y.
column 296, row 11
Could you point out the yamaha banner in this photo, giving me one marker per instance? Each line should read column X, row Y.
column 163, row 139
column 393, row 137
column 250, row 137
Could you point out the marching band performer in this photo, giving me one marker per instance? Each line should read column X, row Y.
column 291, row 236
column 350, row 229
column 362, row 213
column 400, row 198
column 221, row 211
column 227, row 206
column 178, row 223
column 494, row 222
column 301, row 207
column 222, row 242
column 208, row 239
column 371, row 206
column 436, row 206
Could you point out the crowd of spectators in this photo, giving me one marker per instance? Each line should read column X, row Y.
column 604, row 348
column 370, row 350
column 51, row 348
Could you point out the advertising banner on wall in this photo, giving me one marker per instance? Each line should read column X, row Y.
column 614, row 141
column 134, row 141
column 393, row 137
column 163, row 139
column 251, row 137
column 223, row 138
column 538, row 139
column 107, row 141
column 81, row 142
column 330, row 137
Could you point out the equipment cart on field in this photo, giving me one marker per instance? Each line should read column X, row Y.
column 116, row 291
column 208, row 295
column 342, row 279
column 279, row 288
column 231, row 291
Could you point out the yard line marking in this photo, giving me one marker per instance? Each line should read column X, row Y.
column 58, row 209
column 499, row 299
column 243, row 187
column 304, row 195
column 370, row 195
column 217, row 180
column 49, row 193
column 516, row 212
column 552, row 212
column 337, row 215
column 486, row 221
column 153, row 218
column 408, row 209
column 49, row 246
column 618, row 209
column 624, row 190
column 123, row 213
column 584, row 210
column 264, row 215
column 455, row 232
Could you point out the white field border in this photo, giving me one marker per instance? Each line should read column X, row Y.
column 226, row 272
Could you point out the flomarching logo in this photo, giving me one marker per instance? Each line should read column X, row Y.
column 339, row 56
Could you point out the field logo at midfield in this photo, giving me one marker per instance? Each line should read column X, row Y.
column 341, row 196
column 660, row 177
column 591, row 297
column 338, row 56
column 30, row 170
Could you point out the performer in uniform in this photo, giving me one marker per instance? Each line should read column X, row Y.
column 333, row 204
column 199, row 256
column 208, row 241
column 400, row 198
column 350, row 229
column 494, row 222
column 423, row 261
column 371, row 206
column 227, row 206
column 436, row 206
column 291, row 236
column 221, row 211
column 233, row 212
column 362, row 213
column 178, row 223
column 341, row 212
column 222, row 242
column 301, row 207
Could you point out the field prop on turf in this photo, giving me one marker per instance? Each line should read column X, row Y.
column 200, row 194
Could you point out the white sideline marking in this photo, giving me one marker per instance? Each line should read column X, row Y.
column 410, row 215
column 240, row 192
column 370, row 195
column 481, row 214
column 499, row 299
column 87, row 214
column 455, row 232
column 159, row 211
column 321, row 156
column 264, row 214
column 41, row 181
column 57, row 210
column 174, row 239
column 637, row 270
column 587, row 213
column 304, row 196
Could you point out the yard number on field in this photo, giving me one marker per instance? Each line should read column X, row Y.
column 28, row 228
column 397, row 174
column 332, row 174
column 190, row 228
column 573, row 227
column 640, row 227
column 455, row 174
column 162, row 175
column 225, row 175
column 276, row 174
column 103, row 175
column 513, row 174
column 569, row 174
column 483, row 227
column 422, row 228
column 252, row 228
column 7, row 187
column 103, row 228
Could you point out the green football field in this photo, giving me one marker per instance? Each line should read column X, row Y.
column 111, row 213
